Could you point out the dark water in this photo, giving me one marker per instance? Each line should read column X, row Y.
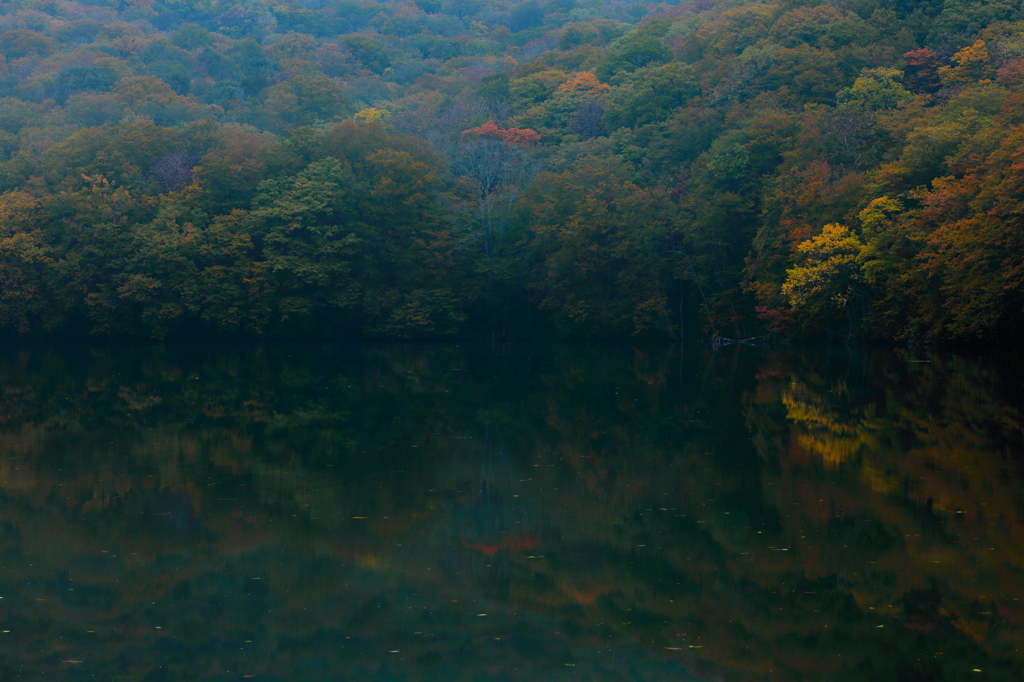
column 445, row 513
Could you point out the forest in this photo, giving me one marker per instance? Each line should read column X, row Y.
column 364, row 169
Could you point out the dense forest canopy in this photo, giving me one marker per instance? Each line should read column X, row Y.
column 449, row 168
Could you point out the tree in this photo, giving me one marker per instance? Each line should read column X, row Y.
column 875, row 90
column 633, row 54
column 586, row 120
column 23, row 42
column 27, row 301
column 829, row 276
column 653, row 96
column 526, row 15
column 922, row 73
column 305, row 100
column 492, row 167
column 972, row 64
column 594, row 247
column 368, row 52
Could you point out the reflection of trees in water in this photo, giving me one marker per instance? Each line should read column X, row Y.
column 660, row 522
column 494, row 522
column 908, row 477
column 833, row 434
column 489, row 519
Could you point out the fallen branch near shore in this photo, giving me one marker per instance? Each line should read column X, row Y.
column 717, row 340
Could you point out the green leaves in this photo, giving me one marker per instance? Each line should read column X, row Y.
column 305, row 100
column 643, row 47
column 876, row 90
column 594, row 245
column 652, row 95
column 27, row 303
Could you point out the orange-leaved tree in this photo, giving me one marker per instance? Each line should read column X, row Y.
column 510, row 135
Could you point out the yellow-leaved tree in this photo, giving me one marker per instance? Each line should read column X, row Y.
column 972, row 65
column 828, row 277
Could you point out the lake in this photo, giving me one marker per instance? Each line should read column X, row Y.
column 383, row 512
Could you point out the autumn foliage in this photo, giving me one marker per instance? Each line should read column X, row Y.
column 510, row 135
column 585, row 83
column 378, row 169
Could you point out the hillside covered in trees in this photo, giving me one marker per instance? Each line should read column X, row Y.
column 460, row 168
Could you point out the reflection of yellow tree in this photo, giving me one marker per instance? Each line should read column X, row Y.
column 937, row 456
column 822, row 430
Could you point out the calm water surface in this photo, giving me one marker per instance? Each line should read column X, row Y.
column 550, row 513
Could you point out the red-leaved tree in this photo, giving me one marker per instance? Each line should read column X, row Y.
column 492, row 166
